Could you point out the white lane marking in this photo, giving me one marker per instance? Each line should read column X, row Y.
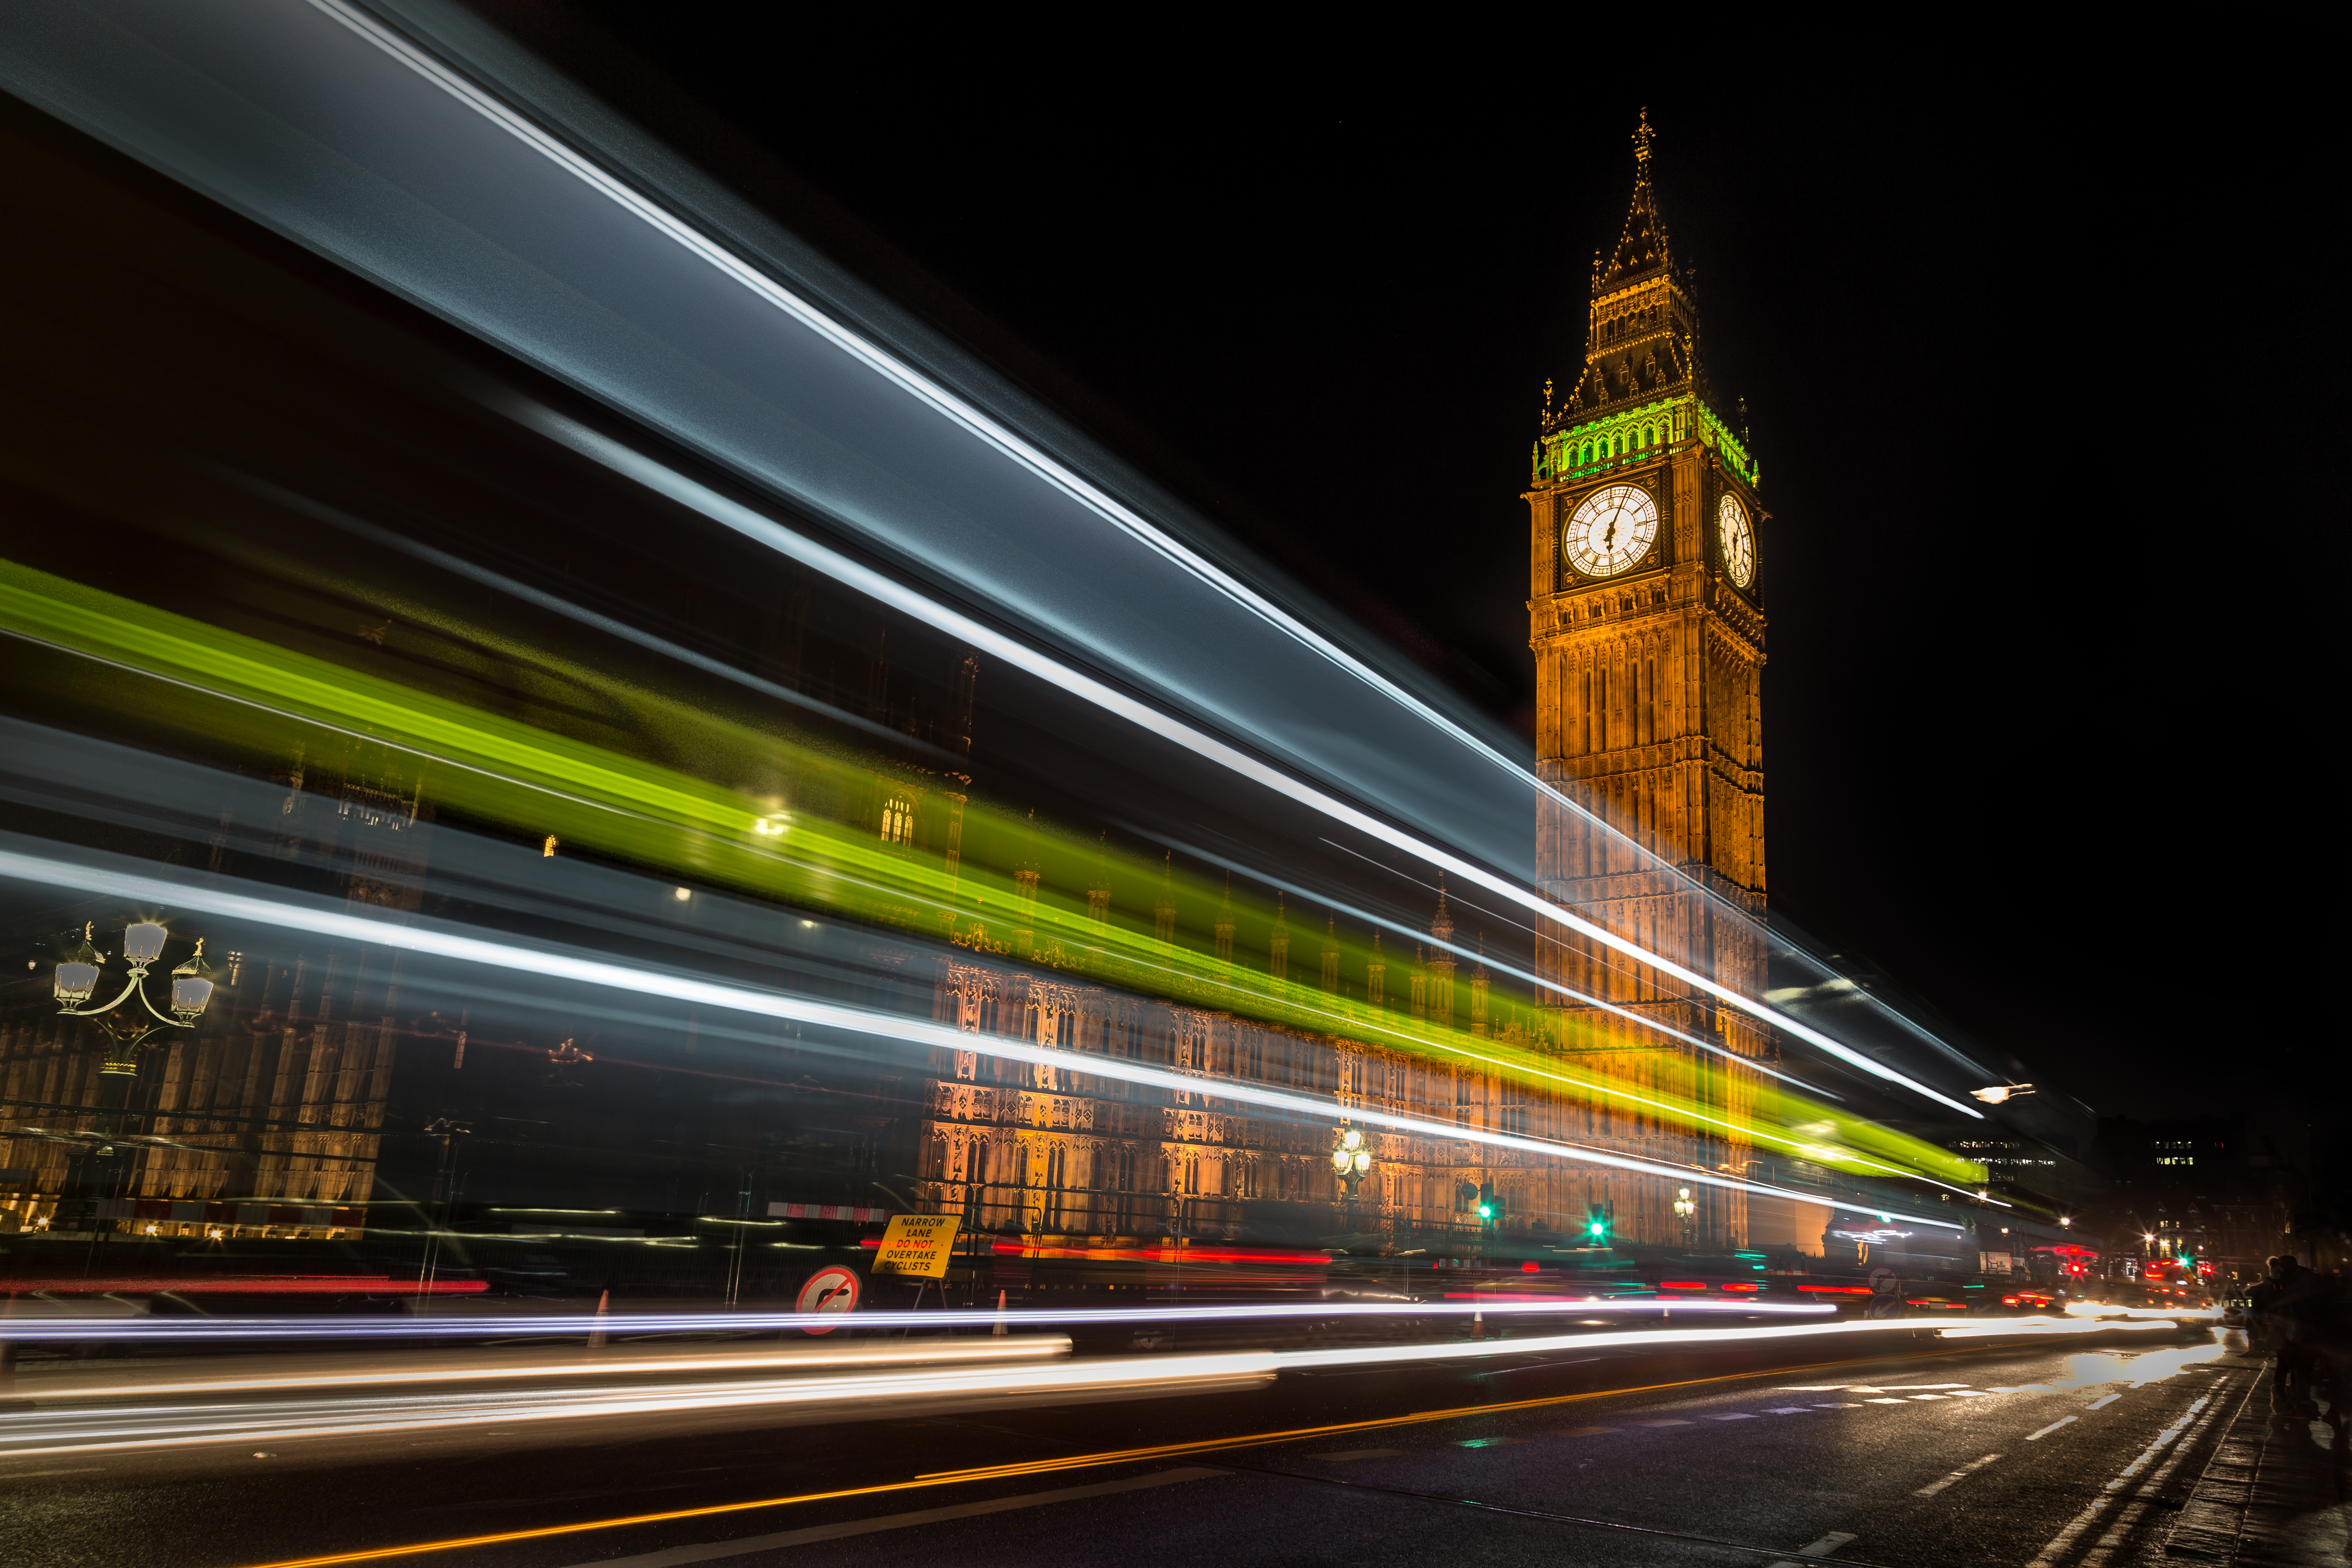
column 1969, row 1392
column 1932, row 1487
column 1821, row 1548
column 2059, row 1545
column 1733, row 1415
column 2149, row 1453
column 1849, row 1405
column 711, row 1551
column 1915, row 1387
column 1809, row 1388
column 2146, row 1496
column 2108, row 1399
column 1882, row 1402
column 1931, row 1397
column 1797, row 1409
column 2067, row 1421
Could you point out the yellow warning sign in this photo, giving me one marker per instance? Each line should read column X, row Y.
column 918, row 1244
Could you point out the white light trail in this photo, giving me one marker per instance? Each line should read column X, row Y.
column 551, row 1324
column 664, row 480
column 119, row 1430
column 51, row 1430
column 1994, row 1327
column 1634, row 1339
column 468, row 1366
column 421, row 938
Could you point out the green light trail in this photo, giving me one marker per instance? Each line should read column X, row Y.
column 227, row 692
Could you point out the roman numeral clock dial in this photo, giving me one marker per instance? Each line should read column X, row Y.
column 1738, row 542
column 1610, row 531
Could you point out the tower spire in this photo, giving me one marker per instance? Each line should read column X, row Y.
column 1643, row 341
column 1642, row 247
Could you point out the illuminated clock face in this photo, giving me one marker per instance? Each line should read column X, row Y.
column 1738, row 542
column 1610, row 531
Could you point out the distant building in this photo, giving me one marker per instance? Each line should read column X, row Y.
column 2199, row 1187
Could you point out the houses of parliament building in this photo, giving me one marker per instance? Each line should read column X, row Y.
column 289, row 1113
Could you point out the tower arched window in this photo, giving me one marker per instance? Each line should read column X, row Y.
column 1649, row 435
column 898, row 820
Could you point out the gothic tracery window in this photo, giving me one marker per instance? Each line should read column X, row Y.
column 898, row 820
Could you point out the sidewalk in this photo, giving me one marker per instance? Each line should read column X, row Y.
column 2271, row 1497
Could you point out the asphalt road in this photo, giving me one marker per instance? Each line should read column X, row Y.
column 2031, row 1458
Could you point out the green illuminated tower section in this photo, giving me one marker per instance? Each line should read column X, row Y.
column 1646, row 618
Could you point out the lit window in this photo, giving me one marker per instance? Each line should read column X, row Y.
column 898, row 821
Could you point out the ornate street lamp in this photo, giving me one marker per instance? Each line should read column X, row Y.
column 142, row 945
column 1350, row 1159
column 1685, row 1210
column 77, row 981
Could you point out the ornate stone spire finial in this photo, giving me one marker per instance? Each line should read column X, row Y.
column 1163, row 913
column 1643, row 136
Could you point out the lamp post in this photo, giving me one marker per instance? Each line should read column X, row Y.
column 445, row 1185
column 1350, row 1159
column 1685, row 1210
column 76, row 981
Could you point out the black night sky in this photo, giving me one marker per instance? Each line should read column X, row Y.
column 2032, row 360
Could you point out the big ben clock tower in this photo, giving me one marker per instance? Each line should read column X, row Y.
column 1645, row 615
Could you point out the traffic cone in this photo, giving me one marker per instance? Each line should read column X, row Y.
column 999, row 1329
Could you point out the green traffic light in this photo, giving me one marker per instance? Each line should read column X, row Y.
column 1597, row 1228
column 1485, row 1211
